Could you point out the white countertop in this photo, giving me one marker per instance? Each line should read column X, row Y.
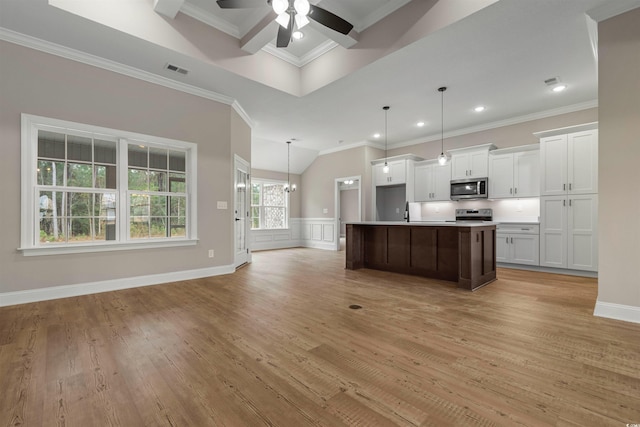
column 429, row 223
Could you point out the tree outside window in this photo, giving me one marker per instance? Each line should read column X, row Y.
column 269, row 205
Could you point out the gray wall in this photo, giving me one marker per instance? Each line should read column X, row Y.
column 348, row 208
column 619, row 156
column 41, row 84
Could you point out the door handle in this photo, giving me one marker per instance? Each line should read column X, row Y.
column 237, row 219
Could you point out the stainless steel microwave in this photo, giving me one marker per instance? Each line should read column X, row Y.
column 466, row 189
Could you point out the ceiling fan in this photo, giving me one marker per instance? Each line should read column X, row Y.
column 292, row 14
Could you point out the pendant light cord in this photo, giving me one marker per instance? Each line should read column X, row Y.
column 442, row 89
column 386, row 110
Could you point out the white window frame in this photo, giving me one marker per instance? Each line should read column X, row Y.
column 29, row 226
column 286, row 201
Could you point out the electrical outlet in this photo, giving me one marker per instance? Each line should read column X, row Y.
column 222, row 204
column 397, row 210
column 210, row 253
column 325, row 210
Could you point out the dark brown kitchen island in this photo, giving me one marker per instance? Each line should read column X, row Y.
column 464, row 253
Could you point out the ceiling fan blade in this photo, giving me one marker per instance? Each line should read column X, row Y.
column 240, row 4
column 284, row 36
column 329, row 19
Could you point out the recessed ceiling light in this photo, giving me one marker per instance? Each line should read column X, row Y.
column 420, row 124
column 559, row 88
column 297, row 35
column 376, row 135
column 479, row 108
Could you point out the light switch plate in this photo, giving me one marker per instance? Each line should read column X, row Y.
column 325, row 210
column 222, row 204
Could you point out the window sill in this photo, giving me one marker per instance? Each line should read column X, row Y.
column 271, row 229
column 105, row 247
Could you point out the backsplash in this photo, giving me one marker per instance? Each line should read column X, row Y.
column 506, row 210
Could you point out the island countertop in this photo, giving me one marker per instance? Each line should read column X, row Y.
column 429, row 223
column 461, row 252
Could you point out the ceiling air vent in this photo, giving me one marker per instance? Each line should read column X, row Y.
column 176, row 69
column 552, row 81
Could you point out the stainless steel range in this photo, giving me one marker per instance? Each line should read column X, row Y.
column 474, row 215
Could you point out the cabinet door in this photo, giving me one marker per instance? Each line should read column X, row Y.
column 524, row 249
column 553, row 159
column 479, row 164
column 502, row 247
column 381, row 178
column 526, row 174
column 421, row 187
column 398, row 171
column 583, row 162
column 441, row 178
column 583, row 232
column 460, row 166
column 553, row 231
column 501, row 176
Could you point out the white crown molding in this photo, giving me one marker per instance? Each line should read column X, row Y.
column 500, row 123
column 316, row 53
column 210, row 19
column 472, row 129
column 106, row 64
column 243, row 114
column 66, row 291
column 307, row 58
column 612, row 8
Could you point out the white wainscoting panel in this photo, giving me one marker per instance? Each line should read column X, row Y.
column 316, row 233
column 319, row 233
column 261, row 240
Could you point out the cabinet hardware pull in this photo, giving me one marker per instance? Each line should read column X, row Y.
column 515, row 190
column 569, row 186
column 507, row 240
column 512, row 240
column 564, row 203
column 511, row 191
column 569, row 202
column 564, row 187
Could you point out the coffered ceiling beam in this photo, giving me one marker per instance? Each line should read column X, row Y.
column 168, row 8
column 344, row 40
column 260, row 35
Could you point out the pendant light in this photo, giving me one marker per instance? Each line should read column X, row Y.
column 288, row 187
column 442, row 158
column 385, row 169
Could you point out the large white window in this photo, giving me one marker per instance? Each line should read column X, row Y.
column 269, row 205
column 86, row 188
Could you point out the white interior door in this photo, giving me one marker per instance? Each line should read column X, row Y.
column 241, row 211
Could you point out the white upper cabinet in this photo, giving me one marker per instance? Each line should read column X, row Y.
column 471, row 162
column 569, row 163
column 397, row 173
column 514, row 172
column 432, row 181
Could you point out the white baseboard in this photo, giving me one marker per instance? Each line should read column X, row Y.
column 267, row 246
column 628, row 313
column 567, row 271
column 313, row 244
column 66, row 291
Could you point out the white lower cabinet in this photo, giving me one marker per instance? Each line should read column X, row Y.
column 518, row 243
column 569, row 232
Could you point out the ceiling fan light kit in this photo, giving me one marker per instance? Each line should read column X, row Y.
column 292, row 14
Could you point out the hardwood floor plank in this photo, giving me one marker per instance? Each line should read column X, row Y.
column 276, row 344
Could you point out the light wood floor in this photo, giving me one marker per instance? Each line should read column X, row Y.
column 276, row 344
